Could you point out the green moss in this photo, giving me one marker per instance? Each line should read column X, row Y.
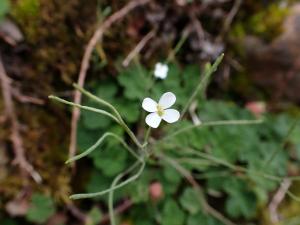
column 52, row 25
column 26, row 8
column 264, row 22
column 268, row 23
column 26, row 13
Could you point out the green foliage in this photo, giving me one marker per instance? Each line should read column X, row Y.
column 172, row 214
column 131, row 81
column 103, row 160
column 241, row 200
column 201, row 218
column 41, row 209
column 189, row 201
column 272, row 17
column 28, row 7
column 249, row 146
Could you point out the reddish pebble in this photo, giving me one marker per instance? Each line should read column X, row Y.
column 156, row 191
column 257, row 108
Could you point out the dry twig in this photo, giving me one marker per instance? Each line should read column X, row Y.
column 77, row 213
column 277, row 199
column 227, row 22
column 26, row 99
column 16, row 139
column 138, row 48
column 98, row 34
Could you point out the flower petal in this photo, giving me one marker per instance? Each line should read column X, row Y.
column 149, row 105
column 167, row 100
column 153, row 120
column 171, row 115
column 161, row 70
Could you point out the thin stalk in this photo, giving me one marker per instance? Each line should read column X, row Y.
column 111, row 193
column 114, row 110
column 195, row 162
column 208, row 175
column 211, row 158
column 208, row 124
column 147, row 135
column 99, row 100
column 207, row 73
column 176, row 48
column 92, row 109
column 99, row 142
column 238, row 168
column 95, row 194
column 293, row 196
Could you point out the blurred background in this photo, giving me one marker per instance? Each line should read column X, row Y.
column 42, row 45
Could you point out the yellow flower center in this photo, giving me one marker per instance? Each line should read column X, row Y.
column 160, row 110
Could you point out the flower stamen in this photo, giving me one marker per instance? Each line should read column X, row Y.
column 160, row 110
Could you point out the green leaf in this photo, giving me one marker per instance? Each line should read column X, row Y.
column 97, row 182
column 41, row 209
column 241, row 200
column 86, row 138
column 215, row 183
column 142, row 214
column 135, row 82
column 171, row 175
column 95, row 216
column 189, row 201
column 139, row 190
column 172, row 214
column 111, row 161
column 200, row 218
column 129, row 110
column 106, row 90
column 93, row 120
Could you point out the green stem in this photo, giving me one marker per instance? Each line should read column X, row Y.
column 114, row 110
column 95, row 194
column 293, row 196
column 99, row 142
column 207, row 73
column 111, row 193
column 84, row 107
column 237, row 168
column 176, row 48
column 208, row 124
column 147, row 135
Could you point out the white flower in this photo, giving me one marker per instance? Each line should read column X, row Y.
column 160, row 111
column 161, row 70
